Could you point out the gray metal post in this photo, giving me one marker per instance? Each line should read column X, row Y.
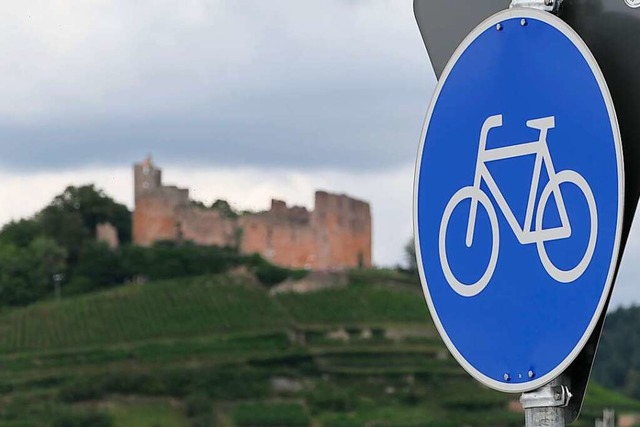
column 545, row 407
column 546, row 5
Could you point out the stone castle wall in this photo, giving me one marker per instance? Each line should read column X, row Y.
column 107, row 233
column 335, row 235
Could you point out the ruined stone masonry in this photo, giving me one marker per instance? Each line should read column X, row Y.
column 107, row 233
column 335, row 235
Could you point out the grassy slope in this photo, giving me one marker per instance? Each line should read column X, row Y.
column 357, row 305
column 158, row 310
column 146, row 414
column 226, row 334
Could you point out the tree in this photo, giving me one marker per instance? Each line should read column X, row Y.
column 66, row 228
column 72, row 216
column 224, row 208
column 94, row 207
column 71, row 219
column 102, row 266
column 20, row 233
column 26, row 274
column 61, row 236
column 410, row 257
column 47, row 259
column 14, row 269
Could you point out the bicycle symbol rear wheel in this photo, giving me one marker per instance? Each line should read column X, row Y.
column 469, row 289
column 572, row 177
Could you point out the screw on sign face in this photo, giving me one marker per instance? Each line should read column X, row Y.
column 519, row 200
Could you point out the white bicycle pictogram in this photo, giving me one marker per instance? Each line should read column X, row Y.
column 526, row 234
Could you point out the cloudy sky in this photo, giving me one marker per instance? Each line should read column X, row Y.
column 244, row 100
column 238, row 99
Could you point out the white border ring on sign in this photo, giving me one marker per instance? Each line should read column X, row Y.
column 566, row 30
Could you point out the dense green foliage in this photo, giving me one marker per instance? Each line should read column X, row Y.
column 224, row 208
column 148, row 413
column 82, row 419
column 101, row 267
column 220, row 205
column 27, row 272
column 221, row 351
column 162, row 309
column 58, row 247
column 20, row 233
column 38, row 252
column 270, row 275
column 199, row 409
column 267, row 415
column 618, row 362
column 410, row 257
column 79, row 210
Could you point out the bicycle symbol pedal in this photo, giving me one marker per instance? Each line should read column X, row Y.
column 529, row 233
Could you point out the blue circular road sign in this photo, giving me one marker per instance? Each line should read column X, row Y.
column 519, row 199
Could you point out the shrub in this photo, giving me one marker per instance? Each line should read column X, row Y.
column 240, row 383
column 264, row 415
column 328, row 399
column 199, row 410
column 203, row 421
column 90, row 388
column 271, row 275
column 78, row 285
column 101, row 265
column 197, row 404
column 166, row 260
column 81, row 390
column 298, row 274
column 82, row 419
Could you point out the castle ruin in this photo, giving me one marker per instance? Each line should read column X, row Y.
column 335, row 235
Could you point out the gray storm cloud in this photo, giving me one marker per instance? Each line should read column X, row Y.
column 317, row 84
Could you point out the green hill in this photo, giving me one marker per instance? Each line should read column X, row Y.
column 618, row 363
column 223, row 351
column 162, row 309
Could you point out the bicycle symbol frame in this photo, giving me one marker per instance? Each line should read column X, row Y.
column 530, row 233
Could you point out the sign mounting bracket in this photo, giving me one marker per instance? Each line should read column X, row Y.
column 545, row 5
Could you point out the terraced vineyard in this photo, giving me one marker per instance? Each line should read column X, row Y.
column 222, row 351
column 357, row 304
column 163, row 309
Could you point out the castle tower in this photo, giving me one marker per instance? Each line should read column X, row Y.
column 343, row 230
column 155, row 212
column 145, row 177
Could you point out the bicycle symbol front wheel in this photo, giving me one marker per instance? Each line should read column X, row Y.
column 469, row 289
column 567, row 177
